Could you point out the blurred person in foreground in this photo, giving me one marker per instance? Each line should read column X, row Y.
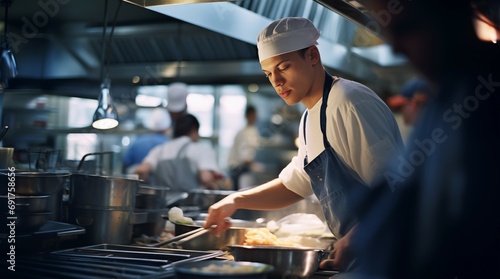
column 242, row 154
column 183, row 164
column 346, row 135
column 159, row 125
column 436, row 214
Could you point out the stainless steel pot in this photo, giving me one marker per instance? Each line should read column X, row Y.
column 104, row 206
column 103, row 226
column 288, row 262
column 33, row 183
column 102, row 192
column 26, row 204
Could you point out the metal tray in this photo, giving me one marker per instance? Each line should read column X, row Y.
column 161, row 258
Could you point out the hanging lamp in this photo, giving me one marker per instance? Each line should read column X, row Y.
column 105, row 116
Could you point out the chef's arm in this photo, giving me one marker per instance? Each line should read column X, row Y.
column 143, row 170
column 207, row 179
column 268, row 196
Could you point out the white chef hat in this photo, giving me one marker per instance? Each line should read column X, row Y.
column 160, row 120
column 286, row 35
column 176, row 96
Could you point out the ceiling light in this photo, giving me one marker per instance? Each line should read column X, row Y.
column 253, row 87
column 105, row 116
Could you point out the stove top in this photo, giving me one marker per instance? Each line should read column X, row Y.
column 106, row 261
column 113, row 261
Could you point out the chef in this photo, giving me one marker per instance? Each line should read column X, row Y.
column 347, row 134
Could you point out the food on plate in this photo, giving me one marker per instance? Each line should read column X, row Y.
column 175, row 215
column 262, row 236
column 227, row 268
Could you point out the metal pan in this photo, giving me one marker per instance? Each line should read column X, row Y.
column 214, row 269
column 287, row 261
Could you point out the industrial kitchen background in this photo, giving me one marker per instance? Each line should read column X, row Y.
column 210, row 45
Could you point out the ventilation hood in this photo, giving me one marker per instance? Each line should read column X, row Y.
column 197, row 42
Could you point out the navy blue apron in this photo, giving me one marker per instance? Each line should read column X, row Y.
column 333, row 184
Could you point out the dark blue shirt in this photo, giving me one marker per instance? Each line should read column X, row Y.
column 141, row 147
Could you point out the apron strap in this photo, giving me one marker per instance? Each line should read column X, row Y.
column 329, row 82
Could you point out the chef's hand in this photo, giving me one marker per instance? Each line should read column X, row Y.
column 341, row 256
column 219, row 215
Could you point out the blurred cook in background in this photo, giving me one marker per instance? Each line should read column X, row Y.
column 177, row 100
column 242, row 154
column 409, row 102
column 411, row 99
column 183, row 164
column 159, row 123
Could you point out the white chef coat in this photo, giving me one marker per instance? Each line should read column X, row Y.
column 360, row 128
column 244, row 146
column 201, row 156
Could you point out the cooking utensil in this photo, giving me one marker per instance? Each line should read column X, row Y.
column 179, row 237
column 3, row 132
column 287, row 261
column 208, row 241
column 214, row 269
column 174, row 198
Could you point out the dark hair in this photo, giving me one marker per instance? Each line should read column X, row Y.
column 302, row 52
column 184, row 125
column 249, row 110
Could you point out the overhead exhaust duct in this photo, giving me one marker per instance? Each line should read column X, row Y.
column 148, row 3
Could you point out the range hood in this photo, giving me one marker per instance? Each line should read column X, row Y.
column 147, row 3
column 194, row 41
column 340, row 21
